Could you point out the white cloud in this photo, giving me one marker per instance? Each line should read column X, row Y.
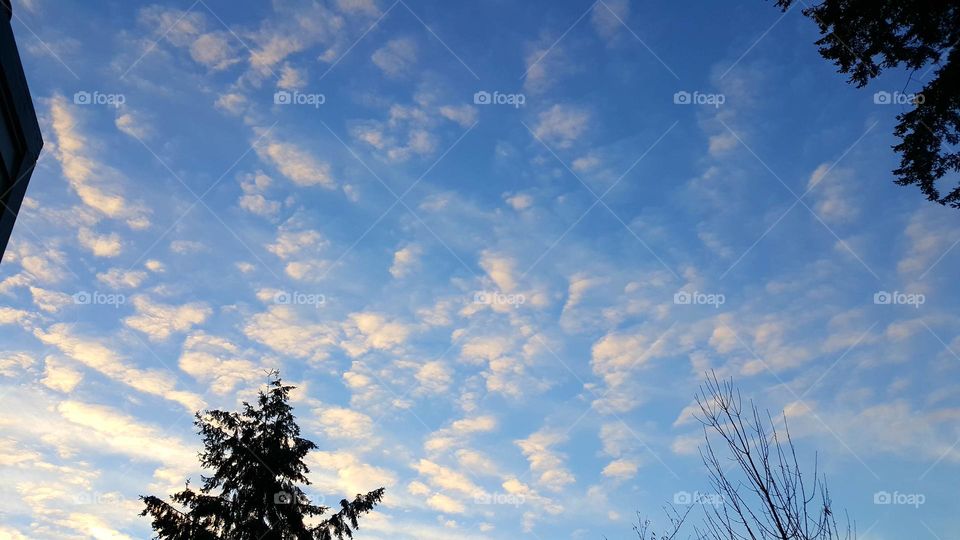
column 609, row 17
column 405, row 260
column 408, row 130
column 366, row 7
column 97, row 356
column 500, row 270
column 215, row 50
column 119, row 278
column 439, row 314
column 579, row 285
column 928, row 238
column 585, row 163
column 9, row 315
column 830, row 186
column 299, row 26
column 44, row 264
column 232, row 102
column 722, row 143
column 546, row 465
column 894, row 427
column 132, row 125
column 309, row 270
column 252, row 200
column 115, row 432
column 445, row 504
column 107, row 245
column 343, row 423
column 290, row 243
column 476, row 462
column 561, row 125
column 546, row 63
column 617, row 439
column 93, row 181
column 434, row 377
column 50, row 301
column 397, row 57
column 13, row 364
column 184, row 247
column 465, row 115
column 365, row 331
column 520, row 201
column 458, row 432
column 370, row 135
column 296, row 164
column 447, row 479
column 60, row 497
column 158, row 321
column 505, row 373
column 292, row 78
column 620, row 469
column 615, row 353
column 299, row 249
column 515, row 487
column 418, row 488
column 343, row 472
column 218, row 363
column 282, row 329
column 59, row 375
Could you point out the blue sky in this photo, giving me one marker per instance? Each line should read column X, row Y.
column 496, row 246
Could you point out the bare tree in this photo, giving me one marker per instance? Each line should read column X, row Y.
column 644, row 530
column 764, row 494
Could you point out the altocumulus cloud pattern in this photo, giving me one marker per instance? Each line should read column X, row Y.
column 494, row 245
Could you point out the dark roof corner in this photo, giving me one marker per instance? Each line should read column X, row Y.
column 20, row 138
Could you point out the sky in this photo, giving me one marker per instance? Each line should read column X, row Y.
column 495, row 245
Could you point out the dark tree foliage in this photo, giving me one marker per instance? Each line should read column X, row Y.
column 256, row 456
column 863, row 37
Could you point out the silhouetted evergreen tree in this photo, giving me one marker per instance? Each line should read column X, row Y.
column 257, row 461
column 862, row 37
